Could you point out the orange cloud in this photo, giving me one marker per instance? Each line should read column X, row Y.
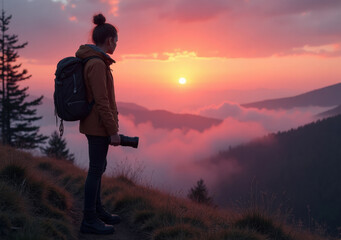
column 73, row 19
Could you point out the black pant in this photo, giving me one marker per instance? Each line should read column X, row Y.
column 98, row 150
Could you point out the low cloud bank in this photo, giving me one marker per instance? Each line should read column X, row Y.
column 171, row 159
column 271, row 120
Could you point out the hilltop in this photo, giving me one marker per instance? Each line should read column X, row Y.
column 41, row 198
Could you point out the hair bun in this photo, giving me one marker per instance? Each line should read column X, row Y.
column 99, row 19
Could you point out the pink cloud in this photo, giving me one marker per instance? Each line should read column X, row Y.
column 184, row 11
column 237, row 29
column 136, row 6
column 214, row 28
column 288, row 7
column 257, row 28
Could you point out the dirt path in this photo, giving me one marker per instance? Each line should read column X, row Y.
column 122, row 231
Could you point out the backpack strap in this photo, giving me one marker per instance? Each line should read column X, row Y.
column 61, row 128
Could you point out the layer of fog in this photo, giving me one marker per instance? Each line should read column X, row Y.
column 170, row 159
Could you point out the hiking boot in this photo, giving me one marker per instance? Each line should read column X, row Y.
column 108, row 218
column 96, row 226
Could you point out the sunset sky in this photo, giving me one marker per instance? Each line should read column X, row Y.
column 227, row 50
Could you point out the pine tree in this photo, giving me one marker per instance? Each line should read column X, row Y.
column 199, row 194
column 57, row 148
column 17, row 114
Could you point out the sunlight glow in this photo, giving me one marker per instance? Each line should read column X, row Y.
column 182, row 80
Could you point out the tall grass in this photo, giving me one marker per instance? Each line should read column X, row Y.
column 32, row 205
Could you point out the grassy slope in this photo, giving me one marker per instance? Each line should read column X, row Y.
column 38, row 198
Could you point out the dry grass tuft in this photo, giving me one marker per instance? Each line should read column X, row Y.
column 262, row 224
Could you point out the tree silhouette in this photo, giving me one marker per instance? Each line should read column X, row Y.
column 199, row 194
column 57, row 148
column 17, row 114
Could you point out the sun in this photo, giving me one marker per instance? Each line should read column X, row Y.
column 182, row 80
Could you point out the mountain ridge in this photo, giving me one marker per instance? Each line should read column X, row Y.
column 328, row 96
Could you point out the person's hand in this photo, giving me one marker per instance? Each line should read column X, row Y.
column 115, row 140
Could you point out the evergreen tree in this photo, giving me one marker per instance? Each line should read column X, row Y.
column 17, row 114
column 57, row 148
column 199, row 194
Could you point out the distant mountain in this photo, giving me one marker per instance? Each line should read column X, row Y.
column 131, row 106
column 304, row 163
column 166, row 119
column 324, row 97
column 332, row 112
column 158, row 118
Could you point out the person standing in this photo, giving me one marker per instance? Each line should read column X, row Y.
column 101, row 125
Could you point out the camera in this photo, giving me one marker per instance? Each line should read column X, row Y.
column 129, row 141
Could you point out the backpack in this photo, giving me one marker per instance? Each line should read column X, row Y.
column 70, row 99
